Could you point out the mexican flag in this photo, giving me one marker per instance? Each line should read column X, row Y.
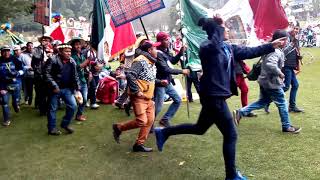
column 251, row 22
column 108, row 40
column 118, row 38
column 98, row 29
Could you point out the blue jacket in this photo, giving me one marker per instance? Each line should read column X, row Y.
column 218, row 77
column 10, row 70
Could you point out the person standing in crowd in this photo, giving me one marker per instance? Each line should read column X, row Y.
column 241, row 68
column 128, row 59
column 40, row 56
column 217, row 84
column 192, row 78
column 82, row 64
column 60, row 73
column 164, row 72
column 55, row 45
column 95, row 68
column 141, row 79
column 292, row 63
column 177, row 44
column 17, row 53
column 29, row 74
column 10, row 69
column 271, row 87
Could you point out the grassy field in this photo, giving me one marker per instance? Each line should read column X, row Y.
column 263, row 151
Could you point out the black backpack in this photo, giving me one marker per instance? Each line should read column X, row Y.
column 255, row 71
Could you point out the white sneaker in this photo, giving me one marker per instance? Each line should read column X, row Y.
column 87, row 104
column 6, row 123
column 95, row 106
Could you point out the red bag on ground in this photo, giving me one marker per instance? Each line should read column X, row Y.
column 108, row 90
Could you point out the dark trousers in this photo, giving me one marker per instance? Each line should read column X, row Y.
column 192, row 78
column 124, row 98
column 93, row 84
column 214, row 111
column 291, row 80
column 28, row 90
column 41, row 90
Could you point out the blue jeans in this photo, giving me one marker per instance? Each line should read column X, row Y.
column 4, row 101
column 159, row 98
column 19, row 80
column 67, row 96
column 266, row 97
column 291, row 79
column 84, row 92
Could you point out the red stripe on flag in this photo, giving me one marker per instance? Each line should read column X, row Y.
column 124, row 37
column 57, row 34
column 269, row 16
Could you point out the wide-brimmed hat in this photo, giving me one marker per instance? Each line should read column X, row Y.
column 129, row 52
column 45, row 36
column 76, row 39
column 5, row 47
column 16, row 47
column 139, row 40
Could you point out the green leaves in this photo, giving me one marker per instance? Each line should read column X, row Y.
column 13, row 8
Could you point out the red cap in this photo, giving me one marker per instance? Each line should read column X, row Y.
column 148, row 44
column 162, row 36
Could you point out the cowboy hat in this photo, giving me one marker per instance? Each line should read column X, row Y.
column 76, row 39
column 45, row 36
column 139, row 40
column 129, row 52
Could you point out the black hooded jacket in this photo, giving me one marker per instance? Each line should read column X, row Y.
column 217, row 80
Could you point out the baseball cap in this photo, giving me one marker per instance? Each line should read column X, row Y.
column 148, row 44
column 162, row 36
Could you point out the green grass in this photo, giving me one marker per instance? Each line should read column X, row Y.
column 263, row 152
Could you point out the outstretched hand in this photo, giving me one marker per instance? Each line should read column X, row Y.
column 279, row 43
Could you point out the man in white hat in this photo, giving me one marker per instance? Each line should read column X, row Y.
column 60, row 74
column 40, row 56
column 18, row 54
column 10, row 70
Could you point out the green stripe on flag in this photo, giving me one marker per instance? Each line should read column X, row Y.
column 192, row 12
column 98, row 25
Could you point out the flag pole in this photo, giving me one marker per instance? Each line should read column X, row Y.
column 184, row 62
column 144, row 28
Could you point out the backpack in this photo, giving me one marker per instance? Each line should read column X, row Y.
column 108, row 90
column 254, row 74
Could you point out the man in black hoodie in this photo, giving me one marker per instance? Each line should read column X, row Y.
column 217, row 84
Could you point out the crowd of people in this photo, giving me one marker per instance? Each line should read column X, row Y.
column 68, row 73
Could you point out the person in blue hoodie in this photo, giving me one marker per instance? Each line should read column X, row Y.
column 10, row 69
column 217, row 84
